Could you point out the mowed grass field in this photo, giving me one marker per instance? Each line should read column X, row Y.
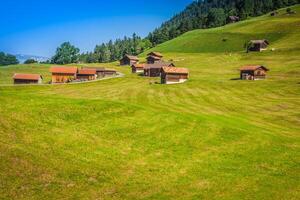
column 213, row 137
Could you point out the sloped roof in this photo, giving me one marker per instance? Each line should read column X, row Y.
column 154, row 57
column 259, row 41
column 158, row 65
column 34, row 77
column 233, row 18
column 132, row 57
column 142, row 65
column 87, row 71
column 253, row 68
column 64, row 70
column 175, row 70
column 154, row 53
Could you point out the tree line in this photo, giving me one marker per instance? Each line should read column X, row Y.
column 8, row 59
column 200, row 14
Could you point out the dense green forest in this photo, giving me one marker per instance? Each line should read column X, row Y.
column 200, row 14
column 7, row 59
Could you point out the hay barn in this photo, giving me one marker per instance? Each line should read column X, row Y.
column 154, row 57
column 87, row 74
column 137, row 68
column 154, row 70
column 63, row 74
column 233, row 19
column 173, row 75
column 258, row 45
column 27, row 79
column 255, row 72
column 129, row 60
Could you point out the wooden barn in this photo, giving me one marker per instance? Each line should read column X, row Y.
column 100, row 71
column 154, row 57
column 173, row 75
column 87, row 74
column 154, row 70
column 63, row 74
column 258, row 45
column 256, row 72
column 27, row 79
column 275, row 13
column 233, row 19
column 129, row 60
column 137, row 68
column 110, row 72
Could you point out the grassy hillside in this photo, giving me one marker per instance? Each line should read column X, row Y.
column 212, row 137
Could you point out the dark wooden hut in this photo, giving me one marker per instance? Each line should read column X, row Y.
column 27, row 79
column 129, row 60
column 154, row 57
column 173, row 75
column 154, row 70
column 87, row 74
column 255, row 72
column 233, row 19
column 258, row 45
column 274, row 13
column 63, row 74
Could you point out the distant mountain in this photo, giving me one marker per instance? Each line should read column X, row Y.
column 22, row 58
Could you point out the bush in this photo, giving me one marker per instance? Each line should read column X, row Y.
column 30, row 61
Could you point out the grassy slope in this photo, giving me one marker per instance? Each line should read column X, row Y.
column 210, row 138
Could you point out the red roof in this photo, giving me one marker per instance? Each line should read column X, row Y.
column 64, row 70
column 253, row 68
column 34, row 77
column 175, row 70
column 87, row 71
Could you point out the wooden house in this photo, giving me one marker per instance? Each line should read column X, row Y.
column 137, row 68
column 173, row 75
column 154, row 70
column 27, row 79
column 154, row 57
column 258, row 45
column 110, row 72
column 87, row 74
column 63, row 74
column 100, row 71
column 233, row 19
column 129, row 60
column 256, row 72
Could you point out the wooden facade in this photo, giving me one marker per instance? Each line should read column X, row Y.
column 258, row 45
column 110, row 72
column 154, row 70
column 63, row 74
column 27, row 79
column 137, row 68
column 154, row 57
column 129, row 60
column 173, row 75
column 87, row 74
column 253, row 72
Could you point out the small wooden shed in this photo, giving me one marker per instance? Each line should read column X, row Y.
column 63, row 74
column 233, row 19
column 87, row 74
column 173, row 75
column 154, row 70
column 154, row 57
column 129, row 60
column 138, row 68
column 27, row 79
column 253, row 72
column 258, row 45
column 110, row 72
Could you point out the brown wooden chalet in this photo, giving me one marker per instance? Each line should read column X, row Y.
column 173, row 75
column 258, row 45
column 255, row 72
column 138, row 68
column 129, row 60
column 233, row 19
column 63, row 74
column 27, row 79
column 154, row 70
column 154, row 57
column 87, row 74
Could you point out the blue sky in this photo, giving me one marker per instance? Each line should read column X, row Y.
column 37, row 27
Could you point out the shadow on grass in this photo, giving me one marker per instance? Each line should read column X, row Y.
column 235, row 79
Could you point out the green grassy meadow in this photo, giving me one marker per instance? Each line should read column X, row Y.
column 213, row 137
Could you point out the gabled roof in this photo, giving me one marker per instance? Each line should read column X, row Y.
column 154, row 53
column 259, row 41
column 34, row 77
column 154, row 57
column 233, row 18
column 158, row 65
column 132, row 57
column 253, row 68
column 142, row 65
column 64, row 70
column 87, row 71
column 175, row 70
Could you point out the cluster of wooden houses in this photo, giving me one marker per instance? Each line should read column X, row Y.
column 156, row 67
column 66, row 75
